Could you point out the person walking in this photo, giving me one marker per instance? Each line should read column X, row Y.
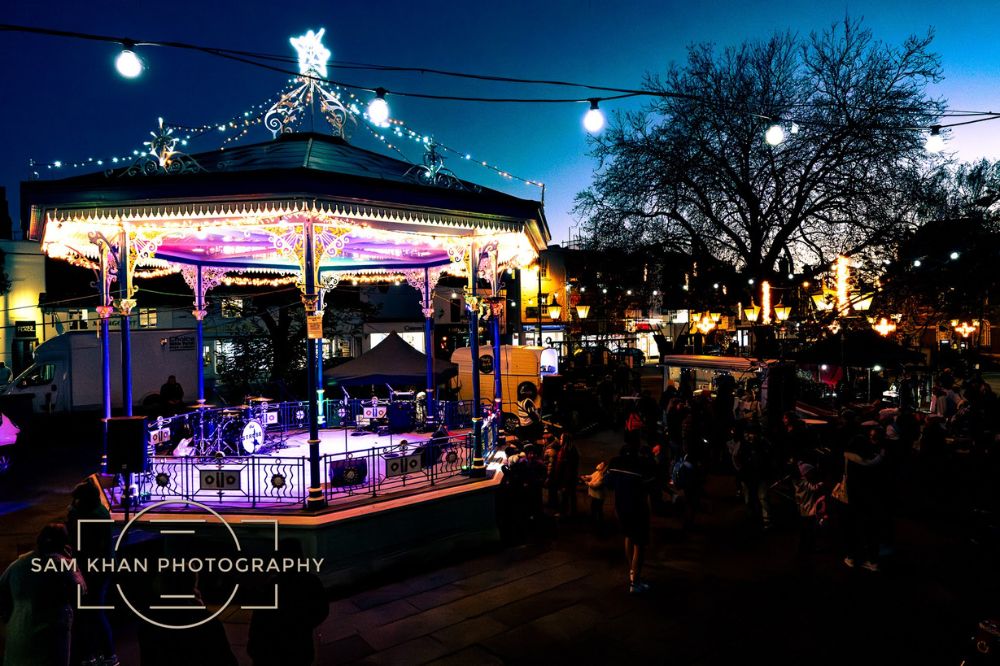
column 630, row 475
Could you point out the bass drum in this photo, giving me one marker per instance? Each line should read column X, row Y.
column 252, row 437
column 243, row 438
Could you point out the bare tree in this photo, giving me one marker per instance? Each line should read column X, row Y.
column 692, row 170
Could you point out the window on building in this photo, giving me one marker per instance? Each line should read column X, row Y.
column 147, row 317
column 37, row 375
column 543, row 266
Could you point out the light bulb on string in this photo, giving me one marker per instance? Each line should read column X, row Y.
column 593, row 120
column 935, row 142
column 128, row 63
column 775, row 135
column 378, row 108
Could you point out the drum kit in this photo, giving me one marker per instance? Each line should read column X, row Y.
column 242, row 430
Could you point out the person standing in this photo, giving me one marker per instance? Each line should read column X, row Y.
column 38, row 605
column 284, row 635
column 172, row 393
column 5, row 374
column 567, row 475
column 92, row 639
column 630, row 476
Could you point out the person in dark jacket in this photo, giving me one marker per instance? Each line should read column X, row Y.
column 567, row 475
column 92, row 639
column 863, row 461
column 285, row 635
column 630, row 476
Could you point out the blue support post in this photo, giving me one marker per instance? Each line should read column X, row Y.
column 315, row 499
column 199, row 316
column 124, row 281
column 429, row 404
column 497, row 355
column 478, row 464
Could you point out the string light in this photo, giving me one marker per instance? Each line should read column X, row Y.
column 775, row 135
column 239, row 281
column 156, row 272
column 128, row 63
column 593, row 120
column 935, row 142
column 378, row 108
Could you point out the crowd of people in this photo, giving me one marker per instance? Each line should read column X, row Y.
column 839, row 482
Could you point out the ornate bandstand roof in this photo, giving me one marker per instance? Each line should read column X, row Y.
column 230, row 208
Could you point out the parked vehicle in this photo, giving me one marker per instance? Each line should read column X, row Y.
column 517, row 365
column 66, row 373
column 774, row 379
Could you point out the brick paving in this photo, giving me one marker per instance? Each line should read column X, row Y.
column 722, row 592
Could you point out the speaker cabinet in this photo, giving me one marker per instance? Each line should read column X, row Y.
column 127, row 444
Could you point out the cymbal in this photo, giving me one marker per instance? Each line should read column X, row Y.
column 204, row 406
column 258, row 398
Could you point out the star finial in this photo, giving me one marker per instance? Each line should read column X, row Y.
column 312, row 54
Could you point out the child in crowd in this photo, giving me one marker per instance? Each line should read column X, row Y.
column 596, row 491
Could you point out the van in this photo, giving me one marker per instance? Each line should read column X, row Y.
column 65, row 375
column 517, row 365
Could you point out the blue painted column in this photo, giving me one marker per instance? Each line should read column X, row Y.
column 430, row 404
column 478, row 464
column 104, row 311
column 309, row 300
column 199, row 328
column 320, row 385
column 124, row 282
column 497, row 308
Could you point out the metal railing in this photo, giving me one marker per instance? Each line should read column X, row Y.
column 276, row 481
column 294, row 415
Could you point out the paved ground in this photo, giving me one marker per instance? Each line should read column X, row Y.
column 723, row 592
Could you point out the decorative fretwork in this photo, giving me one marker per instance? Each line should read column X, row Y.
column 211, row 277
column 432, row 171
column 161, row 157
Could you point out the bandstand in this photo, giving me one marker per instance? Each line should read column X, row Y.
column 302, row 204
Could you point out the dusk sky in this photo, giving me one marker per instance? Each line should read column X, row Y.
column 63, row 100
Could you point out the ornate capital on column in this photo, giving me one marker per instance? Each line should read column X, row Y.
column 428, row 312
column 310, row 302
column 126, row 305
column 105, row 311
column 496, row 305
column 199, row 314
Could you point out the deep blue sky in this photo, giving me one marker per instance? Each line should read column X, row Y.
column 61, row 99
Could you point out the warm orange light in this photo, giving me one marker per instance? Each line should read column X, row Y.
column 843, row 275
column 705, row 325
column 966, row 329
column 765, row 302
column 884, row 327
column 782, row 312
column 751, row 313
column 582, row 311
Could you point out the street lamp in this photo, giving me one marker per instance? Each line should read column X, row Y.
column 751, row 313
column 554, row 309
column 864, row 303
column 781, row 312
column 582, row 311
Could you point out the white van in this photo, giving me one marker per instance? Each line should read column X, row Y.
column 66, row 372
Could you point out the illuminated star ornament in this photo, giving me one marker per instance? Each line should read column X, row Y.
column 162, row 145
column 310, row 87
column 313, row 56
